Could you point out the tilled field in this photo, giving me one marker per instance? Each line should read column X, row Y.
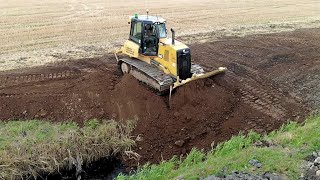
column 271, row 78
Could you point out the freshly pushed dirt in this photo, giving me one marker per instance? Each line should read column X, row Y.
column 134, row 101
column 271, row 79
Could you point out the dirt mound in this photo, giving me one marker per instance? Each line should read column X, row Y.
column 198, row 111
column 133, row 100
column 204, row 96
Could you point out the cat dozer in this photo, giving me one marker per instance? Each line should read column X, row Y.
column 152, row 57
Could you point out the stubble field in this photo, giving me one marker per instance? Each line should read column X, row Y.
column 37, row 32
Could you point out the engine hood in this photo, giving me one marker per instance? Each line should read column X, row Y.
column 177, row 45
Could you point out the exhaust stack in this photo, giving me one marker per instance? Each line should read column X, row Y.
column 173, row 35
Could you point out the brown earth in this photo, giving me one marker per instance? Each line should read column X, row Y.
column 271, row 78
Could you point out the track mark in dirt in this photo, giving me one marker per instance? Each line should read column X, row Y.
column 254, row 94
column 12, row 95
column 26, row 78
column 262, row 101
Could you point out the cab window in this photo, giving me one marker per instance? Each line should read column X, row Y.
column 162, row 30
column 136, row 32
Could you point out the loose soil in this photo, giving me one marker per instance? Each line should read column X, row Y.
column 271, row 79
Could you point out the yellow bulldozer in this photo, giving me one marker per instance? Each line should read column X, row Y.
column 152, row 57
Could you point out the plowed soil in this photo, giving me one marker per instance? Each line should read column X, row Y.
column 271, row 79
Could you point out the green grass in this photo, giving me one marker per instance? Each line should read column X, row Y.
column 28, row 148
column 293, row 142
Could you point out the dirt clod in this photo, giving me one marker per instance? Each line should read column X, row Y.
column 179, row 143
column 43, row 113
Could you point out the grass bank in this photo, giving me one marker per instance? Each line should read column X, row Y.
column 287, row 148
column 28, row 148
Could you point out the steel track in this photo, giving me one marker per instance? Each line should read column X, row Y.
column 153, row 76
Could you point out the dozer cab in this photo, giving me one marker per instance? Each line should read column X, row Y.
column 152, row 57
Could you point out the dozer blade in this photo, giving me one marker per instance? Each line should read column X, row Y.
column 199, row 76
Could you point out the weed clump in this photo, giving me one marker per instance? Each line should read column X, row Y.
column 28, row 148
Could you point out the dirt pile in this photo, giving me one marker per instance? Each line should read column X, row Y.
column 133, row 100
column 198, row 111
column 202, row 98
